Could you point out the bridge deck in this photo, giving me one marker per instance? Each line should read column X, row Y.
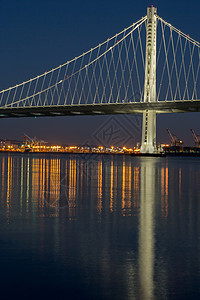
column 102, row 109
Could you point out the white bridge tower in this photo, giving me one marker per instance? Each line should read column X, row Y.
column 148, row 144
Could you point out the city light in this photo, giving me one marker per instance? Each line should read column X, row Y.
column 35, row 145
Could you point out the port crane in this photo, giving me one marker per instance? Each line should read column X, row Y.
column 174, row 140
column 196, row 138
column 32, row 142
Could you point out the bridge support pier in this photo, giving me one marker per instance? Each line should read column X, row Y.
column 148, row 144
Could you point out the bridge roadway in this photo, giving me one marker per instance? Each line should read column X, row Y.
column 101, row 109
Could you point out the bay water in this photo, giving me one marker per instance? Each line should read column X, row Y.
column 86, row 226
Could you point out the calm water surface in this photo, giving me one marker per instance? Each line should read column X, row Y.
column 99, row 227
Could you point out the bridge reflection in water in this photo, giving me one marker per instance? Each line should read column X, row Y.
column 147, row 227
column 103, row 211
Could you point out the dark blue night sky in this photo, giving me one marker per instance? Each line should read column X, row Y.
column 39, row 35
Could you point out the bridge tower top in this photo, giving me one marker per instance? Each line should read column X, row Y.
column 151, row 11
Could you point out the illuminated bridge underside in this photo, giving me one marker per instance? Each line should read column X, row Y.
column 102, row 109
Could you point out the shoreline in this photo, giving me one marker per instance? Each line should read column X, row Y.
column 164, row 155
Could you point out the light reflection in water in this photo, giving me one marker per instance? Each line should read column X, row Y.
column 164, row 191
column 27, row 184
column 100, row 183
column 9, row 186
column 115, row 186
column 21, row 190
column 130, row 188
column 72, row 188
column 136, row 188
column 123, row 186
column 60, row 183
column 35, row 180
column 54, row 189
column 146, row 228
column 127, row 188
column 111, row 184
column 3, row 176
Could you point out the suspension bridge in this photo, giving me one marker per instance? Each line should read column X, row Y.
column 149, row 68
